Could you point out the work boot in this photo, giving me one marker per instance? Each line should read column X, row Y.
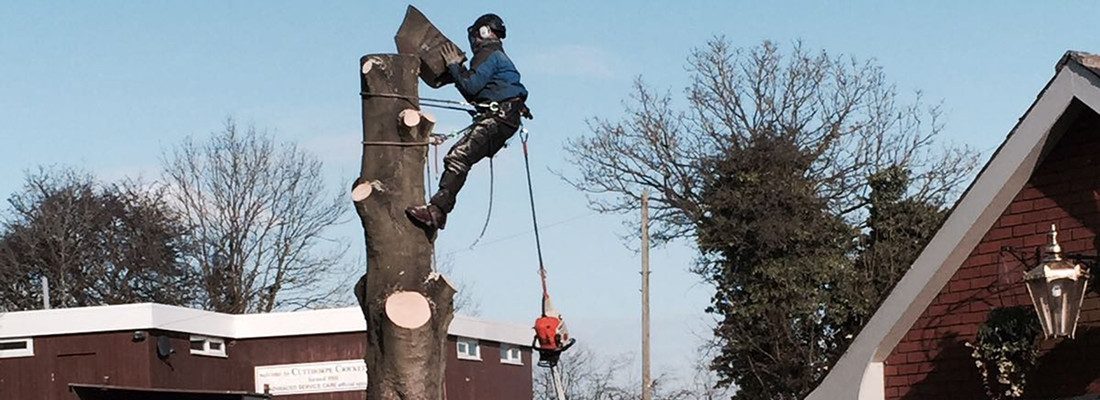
column 427, row 216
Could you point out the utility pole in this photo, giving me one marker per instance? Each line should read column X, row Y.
column 45, row 293
column 647, row 387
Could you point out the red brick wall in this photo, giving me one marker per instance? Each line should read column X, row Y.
column 932, row 361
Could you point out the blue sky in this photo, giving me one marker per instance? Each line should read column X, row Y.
column 107, row 85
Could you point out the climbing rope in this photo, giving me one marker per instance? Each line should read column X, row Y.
column 436, row 140
column 534, row 218
column 424, row 101
column 489, row 212
column 395, row 144
column 438, row 103
column 549, row 328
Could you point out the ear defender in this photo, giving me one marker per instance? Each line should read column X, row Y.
column 484, row 32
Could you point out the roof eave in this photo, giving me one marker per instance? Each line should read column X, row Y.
column 859, row 372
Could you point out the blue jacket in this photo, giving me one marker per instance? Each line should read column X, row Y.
column 493, row 77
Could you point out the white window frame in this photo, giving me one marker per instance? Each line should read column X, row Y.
column 506, row 353
column 13, row 353
column 206, row 350
column 468, row 343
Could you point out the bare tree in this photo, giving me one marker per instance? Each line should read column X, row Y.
column 587, row 375
column 257, row 211
column 97, row 244
column 843, row 112
column 466, row 301
column 704, row 383
column 805, row 181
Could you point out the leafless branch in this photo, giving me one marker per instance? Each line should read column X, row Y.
column 258, row 211
column 840, row 110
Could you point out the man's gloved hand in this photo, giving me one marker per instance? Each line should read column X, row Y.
column 451, row 54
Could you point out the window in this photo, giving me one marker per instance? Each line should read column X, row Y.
column 208, row 346
column 468, row 349
column 511, row 354
column 10, row 348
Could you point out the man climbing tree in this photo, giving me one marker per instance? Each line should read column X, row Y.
column 493, row 85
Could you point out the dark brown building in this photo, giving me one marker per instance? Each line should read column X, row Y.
column 302, row 355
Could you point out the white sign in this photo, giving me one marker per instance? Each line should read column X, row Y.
column 319, row 377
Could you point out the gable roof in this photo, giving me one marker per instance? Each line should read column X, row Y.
column 859, row 372
column 1091, row 62
column 128, row 317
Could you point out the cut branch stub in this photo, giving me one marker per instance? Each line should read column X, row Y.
column 361, row 191
column 409, row 117
column 409, row 310
column 427, row 123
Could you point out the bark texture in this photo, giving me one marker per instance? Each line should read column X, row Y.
column 405, row 359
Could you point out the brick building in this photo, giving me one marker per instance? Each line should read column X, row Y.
column 153, row 351
column 1046, row 172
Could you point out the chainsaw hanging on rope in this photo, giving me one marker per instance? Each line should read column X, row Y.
column 551, row 335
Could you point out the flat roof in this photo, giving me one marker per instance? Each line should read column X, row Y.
column 142, row 316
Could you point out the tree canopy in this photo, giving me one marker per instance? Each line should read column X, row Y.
column 96, row 244
column 807, row 184
column 236, row 225
column 257, row 211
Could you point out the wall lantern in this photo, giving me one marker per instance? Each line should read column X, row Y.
column 1057, row 287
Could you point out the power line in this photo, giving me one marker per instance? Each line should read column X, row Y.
column 520, row 234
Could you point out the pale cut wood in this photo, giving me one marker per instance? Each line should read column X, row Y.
column 409, row 310
column 361, row 191
column 409, row 117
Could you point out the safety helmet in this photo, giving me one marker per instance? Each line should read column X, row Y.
column 492, row 22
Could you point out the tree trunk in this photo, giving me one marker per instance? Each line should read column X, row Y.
column 408, row 307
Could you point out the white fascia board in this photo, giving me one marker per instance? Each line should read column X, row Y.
column 493, row 331
column 189, row 320
column 350, row 319
column 859, row 372
column 128, row 317
column 64, row 321
column 296, row 323
column 1085, row 85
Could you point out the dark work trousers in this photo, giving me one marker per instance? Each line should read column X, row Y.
column 488, row 135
